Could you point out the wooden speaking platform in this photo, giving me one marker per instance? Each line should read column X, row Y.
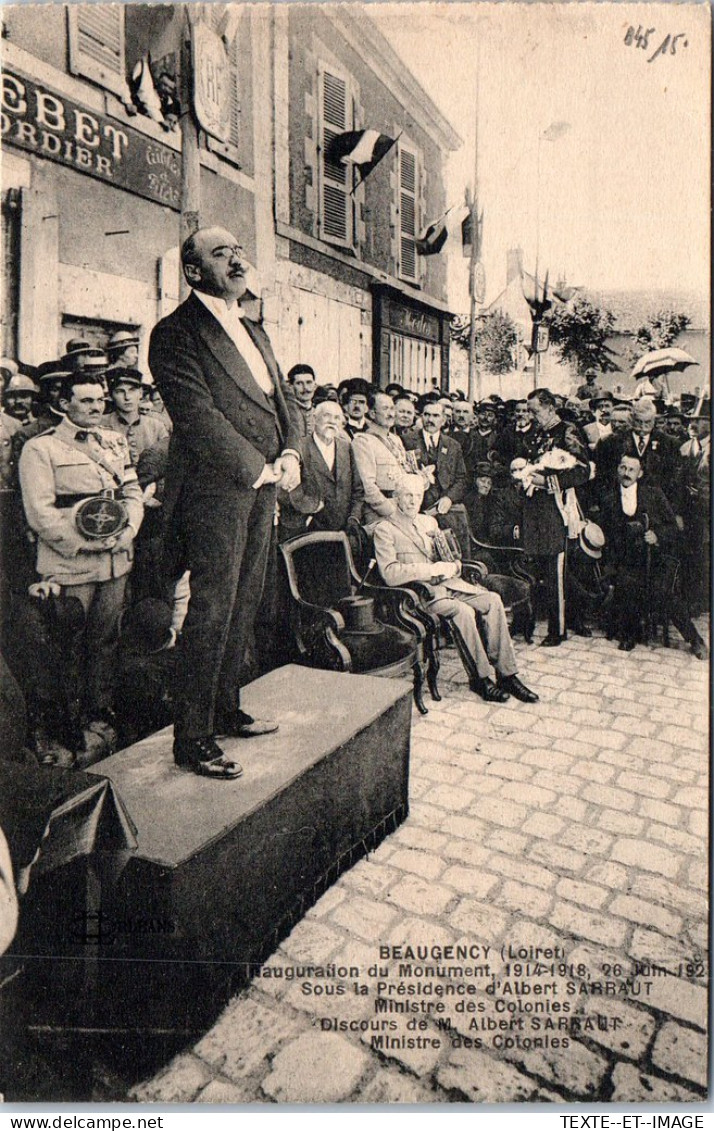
column 223, row 870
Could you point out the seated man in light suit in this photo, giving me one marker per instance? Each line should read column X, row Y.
column 405, row 552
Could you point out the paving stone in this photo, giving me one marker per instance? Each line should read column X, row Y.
column 698, row 875
column 559, row 783
column 518, row 869
column 245, row 1034
column 643, row 854
column 608, row 874
column 679, row 998
column 699, row 824
column 466, row 852
column 609, row 797
column 547, row 758
column 480, row 920
column 587, row 925
column 616, row 1026
column 365, row 917
column 572, row 808
column 676, row 839
column 523, row 898
column 500, row 812
column 687, row 901
column 632, row 725
column 575, row 1068
column 312, row 941
column 465, row 828
column 510, row 720
column 513, row 771
column 586, row 839
column 633, row 1086
column 416, row 932
column 681, row 1052
column 691, row 797
column 647, row 914
column 526, row 793
column 507, row 841
column 543, row 825
column 482, row 1079
column 644, row 785
column 554, row 728
column 225, row 1092
column 604, row 738
column 650, row 949
column 661, row 811
column 594, row 771
column 576, row 891
column 425, row 864
column 573, row 746
column 419, row 896
column 683, row 736
column 557, row 856
column 179, row 1082
column 391, row 1086
column 426, row 816
column 617, row 822
column 472, row 881
column 298, row 1073
column 413, row 836
column 449, row 797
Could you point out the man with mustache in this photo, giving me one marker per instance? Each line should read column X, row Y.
column 234, row 440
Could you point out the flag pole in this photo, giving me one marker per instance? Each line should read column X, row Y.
column 474, row 375
column 190, row 219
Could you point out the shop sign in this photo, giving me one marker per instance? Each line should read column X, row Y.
column 38, row 121
column 420, row 324
column 211, row 82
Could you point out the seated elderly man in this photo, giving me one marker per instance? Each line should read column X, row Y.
column 405, row 552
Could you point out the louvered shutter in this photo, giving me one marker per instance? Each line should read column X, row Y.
column 96, row 44
column 336, row 178
column 408, row 202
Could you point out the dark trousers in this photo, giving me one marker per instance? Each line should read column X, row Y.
column 550, row 568
column 226, row 535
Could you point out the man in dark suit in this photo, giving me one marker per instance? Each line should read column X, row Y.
column 330, row 491
column 444, row 454
column 233, row 441
column 642, row 541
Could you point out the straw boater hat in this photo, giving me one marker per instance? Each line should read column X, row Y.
column 592, row 540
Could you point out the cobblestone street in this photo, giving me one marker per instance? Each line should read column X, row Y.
column 579, row 823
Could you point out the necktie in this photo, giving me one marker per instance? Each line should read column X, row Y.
column 83, row 435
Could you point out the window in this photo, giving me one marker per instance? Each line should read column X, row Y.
column 408, row 212
column 96, row 44
column 335, row 116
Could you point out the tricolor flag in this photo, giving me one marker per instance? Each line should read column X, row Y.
column 467, row 237
column 363, row 148
column 454, row 222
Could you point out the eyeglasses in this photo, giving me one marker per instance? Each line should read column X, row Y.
column 227, row 252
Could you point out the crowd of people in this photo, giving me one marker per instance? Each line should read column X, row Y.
column 142, row 511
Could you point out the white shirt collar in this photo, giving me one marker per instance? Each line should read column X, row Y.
column 218, row 306
column 327, row 450
column 629, row 498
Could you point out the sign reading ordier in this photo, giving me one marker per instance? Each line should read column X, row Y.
column 41, row 122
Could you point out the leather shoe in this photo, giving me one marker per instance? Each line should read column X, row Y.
column 205, row 757
column 515, row 687
column 245, row 726
column 489, row 691
column 700, row 649
column 553, row 641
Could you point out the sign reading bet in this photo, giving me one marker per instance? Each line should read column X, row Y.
column 36, row 120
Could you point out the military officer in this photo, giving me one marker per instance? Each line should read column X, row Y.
column 59, row 471
column 381, row 459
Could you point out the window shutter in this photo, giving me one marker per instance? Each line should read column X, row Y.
column 336, row 179
column 96, row 44
column 408, row 208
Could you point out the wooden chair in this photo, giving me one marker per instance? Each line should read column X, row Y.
column 320, row 574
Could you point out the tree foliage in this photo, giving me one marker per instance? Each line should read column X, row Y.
column 661, row 330
column 580, row 330
column 496, row 340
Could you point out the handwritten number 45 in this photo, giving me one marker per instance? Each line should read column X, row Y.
column 641, row 37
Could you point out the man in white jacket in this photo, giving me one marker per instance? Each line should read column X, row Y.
column 404, row 549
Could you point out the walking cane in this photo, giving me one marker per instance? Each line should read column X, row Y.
column 649, row 617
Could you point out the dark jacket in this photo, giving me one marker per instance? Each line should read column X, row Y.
column 449, row 467
column 544, row 532
column 340, row 491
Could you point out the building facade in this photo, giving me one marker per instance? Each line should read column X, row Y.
column 91, row 190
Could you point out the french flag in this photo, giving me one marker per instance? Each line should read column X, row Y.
column 454, row 222
column 362, row 148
